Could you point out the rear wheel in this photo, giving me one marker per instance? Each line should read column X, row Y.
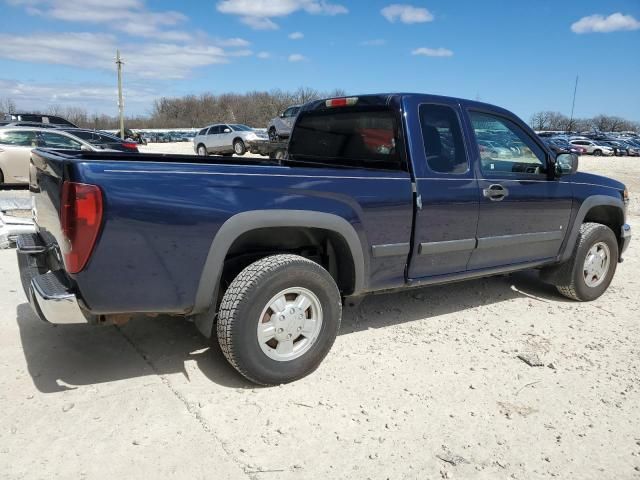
column 279, row 318
column 202, row 150
column 239, row 148
column 273, row 135
column 592, row 265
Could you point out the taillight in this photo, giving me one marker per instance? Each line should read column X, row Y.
column 130, row 146
column 80, row 217
column 341, row 102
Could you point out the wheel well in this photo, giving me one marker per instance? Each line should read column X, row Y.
column 607, row 215
column 236, row 139
column 324, row 247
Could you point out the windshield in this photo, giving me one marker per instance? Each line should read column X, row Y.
column 241, row 128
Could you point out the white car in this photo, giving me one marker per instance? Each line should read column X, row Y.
column 281, row 126
column 16, row 144
column 226, row 138
column 593, row 147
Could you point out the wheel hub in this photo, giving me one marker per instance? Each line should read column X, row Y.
column 290, row 324
column 596, row 264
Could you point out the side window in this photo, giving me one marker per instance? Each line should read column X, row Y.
column 287, row 113
column 293, row 111
column 442, row 137
column 505, row 147
column 203, row 131
column 18, row 138
column 215, row 130
column 54, row 140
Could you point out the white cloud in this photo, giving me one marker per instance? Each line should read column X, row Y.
column 258, row 14
column 601, row 24
column 233, row 42
column 373, row 43
column 406, row 13
column 432, row 52
column 97, row 50
column 263, row 55
column 127, row 16
column 296, row 57
column 90, row 96
column 296, row 36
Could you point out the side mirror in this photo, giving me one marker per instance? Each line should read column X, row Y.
column 227, row 130
column 566, row 164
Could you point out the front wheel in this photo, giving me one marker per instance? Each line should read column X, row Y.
column 279, row 318
column 593, row 263
column 239, row 148
column 273, row 135
column 597, row 153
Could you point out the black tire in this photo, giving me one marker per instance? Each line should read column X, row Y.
column 239, row 148
column 200, row 148
column 575, row 286
column 273, row 135
column 597, row 153
column 242, row 306
column 1, row 178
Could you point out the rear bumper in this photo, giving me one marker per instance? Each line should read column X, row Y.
column 625, row 238
column 49, row 293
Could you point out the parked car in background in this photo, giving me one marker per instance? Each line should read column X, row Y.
column 29, row 124
column 619, row 149
column 38, row 118
column 16, row 144
column 593, row 147
column 561, row 145
column 103, row 140
column 280, row 126
column 226, row 138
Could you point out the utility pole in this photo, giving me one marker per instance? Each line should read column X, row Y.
column 573, row 105
column 119, row 63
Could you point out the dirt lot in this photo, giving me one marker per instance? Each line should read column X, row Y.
column 421, row 384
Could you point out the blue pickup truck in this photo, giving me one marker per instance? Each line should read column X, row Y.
column 376, row 193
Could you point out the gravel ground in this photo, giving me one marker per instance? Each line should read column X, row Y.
column 421, row 384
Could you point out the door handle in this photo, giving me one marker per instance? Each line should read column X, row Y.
column 495, row 192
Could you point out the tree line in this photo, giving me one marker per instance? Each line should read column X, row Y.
column 258, row 107
column 560, row 122
column 193, row 111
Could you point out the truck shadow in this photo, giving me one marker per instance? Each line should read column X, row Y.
column 70, row 356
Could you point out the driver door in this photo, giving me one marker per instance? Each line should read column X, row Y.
column 524, row 211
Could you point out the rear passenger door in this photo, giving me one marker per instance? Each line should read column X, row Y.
column 524, row 209
column 15, row 154
column 447, row 212
column 212, row 140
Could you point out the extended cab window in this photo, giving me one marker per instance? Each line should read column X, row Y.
column 442, row 137
column 505, row 147
column 365, row 137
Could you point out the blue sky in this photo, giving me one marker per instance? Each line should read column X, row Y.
column 523, row 56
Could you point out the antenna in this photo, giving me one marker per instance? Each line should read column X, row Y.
column 573, row 105
column 119, row 63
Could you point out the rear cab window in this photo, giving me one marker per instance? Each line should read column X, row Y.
column 363, row 136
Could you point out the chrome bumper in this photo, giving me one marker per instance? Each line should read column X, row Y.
column 53, row 303
column 625, row 238
column 49, row 293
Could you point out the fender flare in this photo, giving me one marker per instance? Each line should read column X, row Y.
column 588, row 204
column 245, row 222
